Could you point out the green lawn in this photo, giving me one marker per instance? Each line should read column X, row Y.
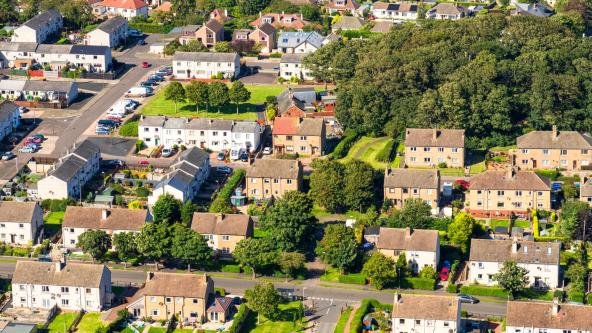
column 176, row 330
column 158, row 105
column 371, row 146
column 340, row 327
column 89, row 322
column 53, row 223
column 286, row 323
column 505, row 223
column 61, row 321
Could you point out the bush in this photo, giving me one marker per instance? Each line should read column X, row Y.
column 139, row 145
column 575, row 297
column 151, row 28
column 221, row 203
column 247, row 270
column 239, row 319
column 275, row 55
column 344, row 145
column 56, row 205
column 484, row 291
column 452, row 288
column 365, row 307
column 142, row 192
column 231, row 269
column 220, row 291
column 387, row 152
column 129, row 129
column 353, row 279
column 418, row 283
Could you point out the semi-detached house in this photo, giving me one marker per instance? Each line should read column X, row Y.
column 110, row 33
column 299, row 42
column 383, row 11
column 267, row 178
column 20, row 222
column 401, row 185
column 124, row 8
column 291, row 66
column 426, row 314
column 427, row 147
column 9, row 118
column 299, row 135
column 204, row 65
column 420, row 247
column 223, row 231
column 39, row 28
column 547, row 317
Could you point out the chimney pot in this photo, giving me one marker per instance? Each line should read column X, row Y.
column 104, row 214
column 555, row 306
column 59, row 265
column 408, row 232
column 436, row 133
column 149, row 276
column 555, row 132
column 514, row 245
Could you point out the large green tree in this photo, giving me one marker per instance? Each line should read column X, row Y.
column 252, row 7
column 95, row 243
column 197, row 92
column 416, row 213
column 167, row 209
column 576, row 221
column 8, row 11
column 291, row 262
column 338, row 247
column 217, row 94
column 190, row 246
column 255, row 253
column 359, row 185
column 186, row 213
column 238, row 93
column 461, row 230
column 153, row 241
column 125, row 246
column 174, row 92
column 264, row 300
column 512, row 278
column 380, row 269
column 327, row 183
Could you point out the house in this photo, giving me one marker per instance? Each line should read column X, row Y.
column 77, row 220
column 348, row 23
column 342, row 7
column 503, row 193
column 540, row 259
column 265, row 36
column 220, row 15
column 532, row 9
column 299, row 42
column 387, row 11
column 267, row 178
column 9, row 118
column 401, row 185
column 426, row 147
column 447, row 11
column 188, row 33
column 45, row 91
column 553, row 149
column 382, row 27
column 281, row 21
column 165, row 6
column 297, row 101
column 210, row 33
column 68, row 177
column 291, row 67
column 586, row 191
column 39, row 28
column 204, row 65
column 426, row 314
column 124, row 8
column 184, row 177
column 164, row 294
column 69, row 286
column 420, row 247
column 214, row 134
column 110, row 33
column 551, row 317
column 223, row 231
column 220, row 310
column 299, row 135
column 20, row 222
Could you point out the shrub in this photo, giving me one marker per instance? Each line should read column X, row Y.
column 231, row 269
column 344, row 145
column 418, row 283
column 353, row 279
column 139, row 145
column 483, row 291
column 575, row 297
column 275, row 55
column 247, row 270
column 220, row 291
column 452, row 288
column 239, row 319
column 151, row 28
column 142, row 192
column 221, row 203
column 129, row 129
column 386, row 153
column 365, row 307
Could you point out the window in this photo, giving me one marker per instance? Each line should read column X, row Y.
column 584, row 151
column 22, row 287
column 427, row 159
column 88, row 290
column 72, row 241
column 303, row 138
column 155, row 312
column 479, row 203
column 288, row 181
column 426, row 149
column 500, row 193
column 168, row 299
column 153, row 299
column 276, row 180
column 545, row 151
column 302, row 148
column 225, row 237
column 288, row 138
column 524, row 151
column 417, row 322
column 500, row 204
column 401, row 321
column 194, row 301
column 455, row 150
column 546, row 162
column 563, row 162
column 2, row 225
column 440, row 149
column 413, row 148
column 266, row 180
column 89, row 303
column 563, row 151
column 65, row 289
column 415, row 191
column 65, row 302
column 23, row 300
column 518, row 193
column 21, row 225
column 45, row 288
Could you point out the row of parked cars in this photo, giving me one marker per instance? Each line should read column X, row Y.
column 146, row 88
column 115, row 115
column 32, row 144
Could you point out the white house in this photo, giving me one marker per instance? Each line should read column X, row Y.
column 20, row 222
column 214, row 134
column 123, row 8
column 46, row 91
column 447, row 11
column 9, row 118
column 38, row 28
column 68, row 177
column 204, row 65
column 299, row 42
column 69, row 286
column 185, row 177
column 385, row 11
column 420, row 247
column 110, row 33
column 547, row 317
column 291, row 66
column 540, row 259
column 426, row 314
column 111, row 220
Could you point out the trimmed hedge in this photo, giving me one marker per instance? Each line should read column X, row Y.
column 221, row 203
column 387, row 152
column 231, row 269
column 239, row 319
column 344, row 145
column 551, row 239
column 484, row 291
column 365, row 307
column 452, row 288
column 353, row 279
column 575, row 297
column 151, row 28
column 418, row 283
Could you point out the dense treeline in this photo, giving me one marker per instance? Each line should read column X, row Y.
column 495, row 76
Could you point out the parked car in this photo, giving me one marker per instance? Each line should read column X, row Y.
column 467, row 299
column 7, row 156
column 224, row 170
column 220, row 156
column 144, row 162
column 444, row 272
column 156, row 77
column 234, row 154
column 462, row 184
column 134, row 33
column 23, row 109
column 244, row 157
column 145, row 64
column 138, row 92
column 27, row 149
column 118, row 163
column 39, row 136
column 166, row 152
column 33, row 139
column 267, row 151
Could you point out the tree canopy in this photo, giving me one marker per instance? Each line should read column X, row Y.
column 95, row 243
column 255, row 253
column 511, row 277
column 167, row 209
column 338, row 247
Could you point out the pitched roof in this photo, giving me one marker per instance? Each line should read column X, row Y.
column 125, row 4
column 44, row 19
column 205, row 56
column 398, row 7
column 448, row 9
column 92, row 218
column 222, row 224
column 428, row 137
column 554, row 140
column 177, row 284
column 267, row 29
column 349, row 23
column 214, row 25
column 292, row 39
column 156, row 121
column 278, row 20
column 349, row 4
column 408, row 239
column 535, row 9
column 292, row 58
column 527, row 252
column 13, row 211
column 298, row 126
column 429, row 307
column 71, row 274
column 112, row 24
column 54, row 86
column 275, row 168
column 220, row 304
column 86, row 149
column 418, row 178
column 18, row 47
column 540, row 315
column 501, row 180
column 382, row 26
column 69, row 167
column 184, row 169
column 90, row 49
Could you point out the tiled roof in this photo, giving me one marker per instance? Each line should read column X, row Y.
column 267, row 29
column 501, row 180
column 298, row 126
column 220, row 304
column 112, row 24
column 292, row 58
column 408, row 239
column 117, row 218
column 382, row 26
column 275, row 168
column 554, row 140
column 71, row 274
column 349, row 22
column 428, row 137
column 205, row 56
column 125, row 4
column 44, row 19
column 448, row 9
column 13, row 211
column 430, row 307
column 418, row 178
column 222, row 224
column 177, row 284
column 292, row 39
column 349, row 4
column 540, row 315
column 527, row 252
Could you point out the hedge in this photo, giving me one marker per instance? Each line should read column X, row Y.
column 221, row 203
column 484, row 291
column 353, row 279
column 365, row 306
column 239, row 319
column 418, row 283
column 386, row 153
column 344, row 145
column 575, row 297
column 551, row 239
column 231, row 269
column 452, row 288
column 129, row 129
column 151, row 28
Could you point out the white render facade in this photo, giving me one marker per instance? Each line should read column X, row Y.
column 9, row 118
column 111, row 33
column 539, row 275
column 39, row 28
column 426, row 314
column 418, row 325
column 128, row 13
column 22, row 230
column 291, row 66
column 204, row 65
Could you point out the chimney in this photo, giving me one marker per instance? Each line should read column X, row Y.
column 514, row 245
column 408, row 232
column 104, row 214
column 510, row 173
column 225, row 12
column 555, row 132
column 397, row 297
column 59, row 265
column 149, row 276
column 259, row 14
column 435, row 133
column 301, row 17
column 283, row 13
column 555, row 306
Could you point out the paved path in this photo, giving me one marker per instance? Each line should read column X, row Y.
column 351, row 317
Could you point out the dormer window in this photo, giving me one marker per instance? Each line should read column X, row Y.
column 288, row 20
column 340, row 2
column 267, row 19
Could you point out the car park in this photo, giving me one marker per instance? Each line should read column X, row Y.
column 7, row 156
column 156, row 77
column 224, row 170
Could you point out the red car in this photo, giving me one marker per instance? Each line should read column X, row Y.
column 145, row 64
column 144, row 162
column 444, row 273
column 463, row 184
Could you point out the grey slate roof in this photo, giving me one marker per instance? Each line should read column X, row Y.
column 527, row 252
column 205, row 56
column 185, row 168
column 303, row 98
column 349, row 23
column 292, row 39
column 89, row 49
column 43, row 19
column 535, row 9
column 112, row 24
column 267, row 29
column 292, row 58
column 86, row 149
column 59, row 86
column 54, row 49
column 18, row 47
column 69, row 168
column 7, row 108
column 245, row 126
column 412, row 178
column 155, row 121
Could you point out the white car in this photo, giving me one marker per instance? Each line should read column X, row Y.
column 267, row 151
column 234, row 154
column 166, row 152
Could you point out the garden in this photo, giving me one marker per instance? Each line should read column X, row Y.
column 289, row 320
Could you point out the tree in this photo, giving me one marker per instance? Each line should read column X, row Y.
column 238, row 93
column 576, row 222
column 197, row 92
column 291, row 262
column 289, row 221
column 125, row 246
column 327, row 183
column 403, row 266
column 255, row 253
column 359, row 185
column 264, row 300
column 380, row 269
column 182, row 8
column 461, row 230
column 427, row 272
column 76, row 13
column 338, row 247
column 222, row 47
column 242, row 46
column 95, row 243
column 153, row 241
column 217, row 94
column 167, row 209
column 416, row 214
column 252, row 7
column 190, row 246
column 187, row 211
column 512, row 278
column 7, row 11
column 175, row 92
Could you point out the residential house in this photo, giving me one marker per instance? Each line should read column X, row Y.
column 297, row 101
column 9, row 118
column 165, row 6
column 425, row 147
column 348, row 23
column 420, row 247
column 166, row 294
column 188, row 33
column 503, row 193
column 426, row 314
column 45, row 91
column 281, row 21
column 110, row 33
column 342, row 7
column 532, row 9
column 540, row 259
column 299, row 42
column 210, row 33
column 71, row 173
column 387, row 11
column 267, row 178
column 214, row 134
column 291, row 67
column 220, row 15
column 401, row 185
column 264, row 35
column 382, row 27
column 20, row 222
column 124, row 8
column 553, row 149
column 77, row 220
column 39, row 28
column 69, row 286
column 586, row 191
column 447, row 11
column 204, row 65
column 304, row 136
column 223, row 231
column 184, row 177
column 220, row 310
column 550, row 317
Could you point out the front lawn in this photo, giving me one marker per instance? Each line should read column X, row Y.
column 158, row 105
column 61, row 322
column 340, row 327
column 288, row 322
column 366, row 149
column 53, row 223
column 89, row 322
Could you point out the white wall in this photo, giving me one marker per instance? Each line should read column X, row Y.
column 204, row 70
column 289, row 70
column 482, row 273
column 77, row 298
column 521, row 329
column 53, row 188
column 425, row 326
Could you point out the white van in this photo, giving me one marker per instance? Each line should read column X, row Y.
column 137, row 92
column 234, row 154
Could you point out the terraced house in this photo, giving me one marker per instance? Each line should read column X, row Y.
column 20, row 222
column 267, row 178
column 204, row 65
column 553, row 149
column 39, row 28
column 426, row 314
column 401, row 185
column 223, row 231
column 420, row 247
column 304, row 136
column 549, row 317
column 425, row 147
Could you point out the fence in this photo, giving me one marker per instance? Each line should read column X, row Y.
column 46, row 105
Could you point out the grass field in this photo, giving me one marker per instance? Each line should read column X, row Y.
column 286, row 323
column 505, row 223
column 53, row 222
column 340, row 327
column 61, row 321
column 89, row 322
column 366, row 149
column 158, row 105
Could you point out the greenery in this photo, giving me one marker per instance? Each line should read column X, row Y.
column 174, row 92
column 151, row 28
column 476, row 290
column 340, row 327
column 221, row 203
column 368, row 149
column 343, row 147
column 63, row 319
column 89, row 322
column 367, row 305
column 125, row 243
column 338, row 247
column 153, row 241
column 288, row 320
column 129, row 129
column 418, row 283
column 416, row 214
column 380, row 269
column 575, row 218
column 511, row 277
column 53, row 222
column 239, row 319
column 291, row 262
column 95, row 243
column 167, row 209
column 264, row 300
column 461, row 230
column 255, row 253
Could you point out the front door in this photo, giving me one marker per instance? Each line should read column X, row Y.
column 534, row 164
column 13, row 239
